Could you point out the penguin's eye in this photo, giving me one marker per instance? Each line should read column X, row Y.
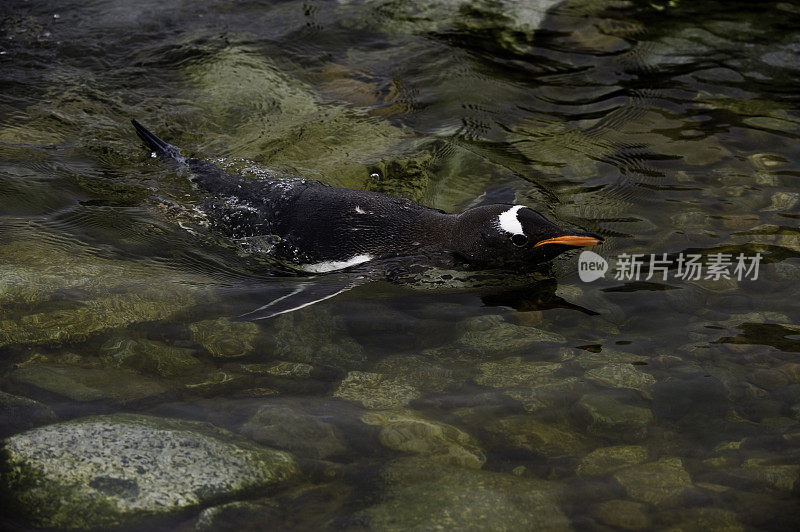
column 519, row 240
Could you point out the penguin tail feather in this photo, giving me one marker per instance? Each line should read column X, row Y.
column 158, row 146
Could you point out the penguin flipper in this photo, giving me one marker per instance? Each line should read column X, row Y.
column 155, row 144
column 303, row 295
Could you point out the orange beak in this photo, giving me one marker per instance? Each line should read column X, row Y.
column 570, row 240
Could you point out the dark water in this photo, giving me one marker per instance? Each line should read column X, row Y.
column 668, row 127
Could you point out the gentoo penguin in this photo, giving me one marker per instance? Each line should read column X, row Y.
column 318, row 228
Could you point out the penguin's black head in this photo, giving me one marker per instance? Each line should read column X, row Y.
column 505, row 234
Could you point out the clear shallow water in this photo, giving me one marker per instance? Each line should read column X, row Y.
column 666, row 128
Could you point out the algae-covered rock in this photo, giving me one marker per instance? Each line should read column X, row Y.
column 588, row 360
column 224, row 338
column 122, row 386
column 533, row 383
column 238, row 516
column 622, row 376
column 407, row 431
column 608, row 418
column 266, row 114
column 492, row 335
column 427, row 495
column 37, row 267
column 607, row 459
column 623, row 514
column 374, row 390
column 287, row 427
column 422, row 372
column 558, row 393
column 148, row 356
column 108, row 470
column 781, row 476
column 552, row 440
column 404, row 178
column 706, row 519
column 315, row 336
column 20, row 413
column 515, row 371
column 660, row 482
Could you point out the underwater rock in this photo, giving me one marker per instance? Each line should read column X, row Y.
column 407, row 431
column 280, row 368
column 109, row 293
column 548, row 439
column 492, row 335
column 657, row 483
column 374, row 390
column 224, row 338
column 104, row 471
column 237, row 516
column 287, row 427
column 608, row 418
column 783, row 201
column 404, row 178
column 620, row 513
column 424, row 373
column 515, row 371
column 622, row 376
column 707, row 519
column 780, row 476
column 607, row 459
column 558, row 393
column 120, row 386
column 588, row 359
column 316, row 336
column 533, row 383
column 147, row 356
column 20, row 413
column 423, row 494
column 267, row 115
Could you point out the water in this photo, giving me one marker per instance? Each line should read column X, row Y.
column 667, row 127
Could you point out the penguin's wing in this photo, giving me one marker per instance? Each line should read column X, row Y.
column 304, row 294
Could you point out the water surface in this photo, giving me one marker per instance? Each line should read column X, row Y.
column 668, row 127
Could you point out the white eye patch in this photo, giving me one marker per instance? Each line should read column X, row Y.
column 509, row 222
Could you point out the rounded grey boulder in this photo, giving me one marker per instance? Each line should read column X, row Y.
column 107, row 470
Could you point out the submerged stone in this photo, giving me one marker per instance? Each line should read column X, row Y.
column 267, row 114
column 375, row 390
column 404, row 178
column 224, row 338
column 623, row 514
column 315, row 336
column 105, row 471
column 708, row 519
column 409, row 432
column 622, row 376
column 148, row 356
column 515, row 371
column 237, row 516
column 492, row 335
column 287, row 427
column 657, row 483
column 20, row 413
column 91, row 384
column 548, row 439
column 608, row 418
column 111, row 293
column 427, row 495
column 607, row 459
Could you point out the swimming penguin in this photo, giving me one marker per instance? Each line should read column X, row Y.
column 320, row 229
